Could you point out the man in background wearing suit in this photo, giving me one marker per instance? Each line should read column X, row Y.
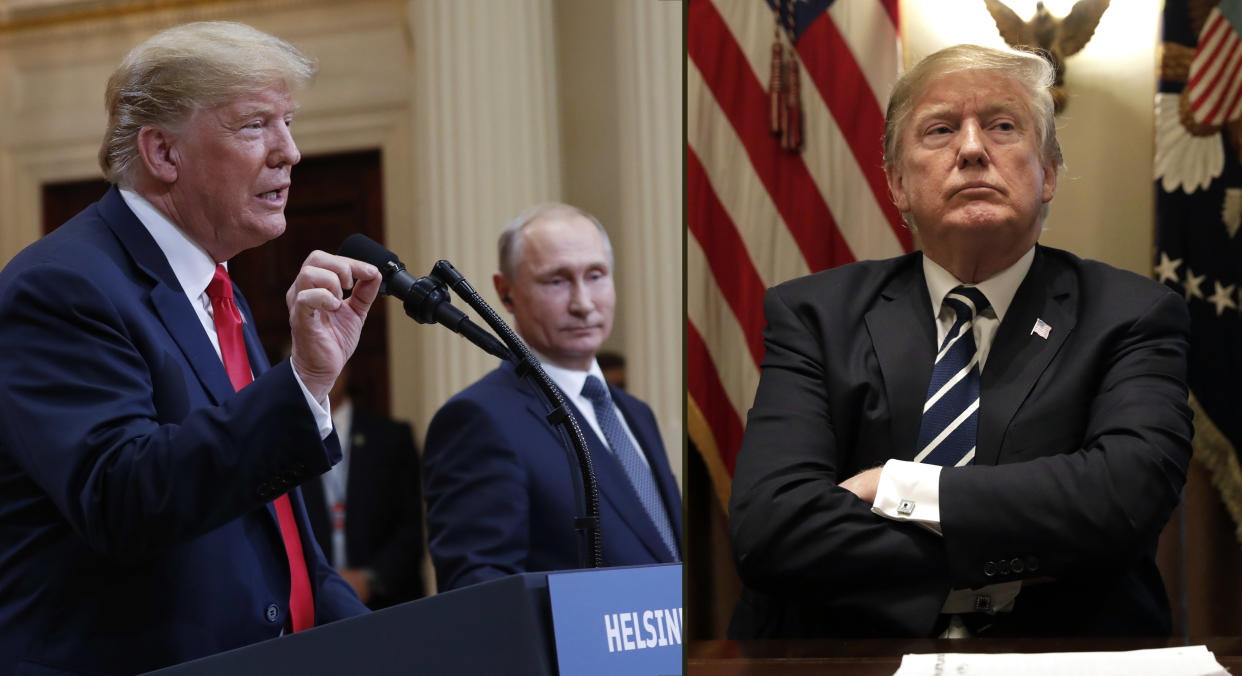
column 367, row 511
column 500, row 489
column 984, row 437
column 149, row 457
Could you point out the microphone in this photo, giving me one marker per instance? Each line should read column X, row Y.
column 425, row 299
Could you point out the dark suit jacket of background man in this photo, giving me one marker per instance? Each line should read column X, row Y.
column 500, row 492
column 383, row 507
column 136, row 526
column 849, row 356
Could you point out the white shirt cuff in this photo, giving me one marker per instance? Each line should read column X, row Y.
column 909, row 491
column 322, row 410
column 994, row 598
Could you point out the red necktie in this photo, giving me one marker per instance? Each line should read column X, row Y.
column 233, row 352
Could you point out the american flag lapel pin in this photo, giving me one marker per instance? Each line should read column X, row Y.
column 1041, row 329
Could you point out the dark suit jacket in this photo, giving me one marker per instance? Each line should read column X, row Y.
column 1083, row 441
column 384, row 507
column 501, row 496
column 136, row 529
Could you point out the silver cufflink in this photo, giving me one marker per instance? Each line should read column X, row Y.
column 905, row 507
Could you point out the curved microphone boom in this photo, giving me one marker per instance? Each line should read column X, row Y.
column 425, row 298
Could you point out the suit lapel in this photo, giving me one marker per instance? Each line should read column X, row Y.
column 1018, row 357
column 904, row 352
column 167, row 297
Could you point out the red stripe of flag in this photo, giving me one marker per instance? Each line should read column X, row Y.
column 705, row 388
column 1232, row 41
column 1214, row 25
column 726, row 254
column 841, row 83
column 738, row 93
column 1230, row 112
column 1221, row 108
column 1220, row 72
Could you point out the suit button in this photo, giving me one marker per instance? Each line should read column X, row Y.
column 989, row 568
column 1003, row 567
column 1032, row 563
column 273, row 612
column 1016, row 565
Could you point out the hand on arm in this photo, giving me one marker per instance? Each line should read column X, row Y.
column 359, row 580
column 864, row 484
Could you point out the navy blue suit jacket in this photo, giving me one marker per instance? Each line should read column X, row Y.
column 501, row 496
column 136, row 529
column 1083, row 441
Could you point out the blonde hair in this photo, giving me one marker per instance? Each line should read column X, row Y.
column 165, row 80
column 1030, row 70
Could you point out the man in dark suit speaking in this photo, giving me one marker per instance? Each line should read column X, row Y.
column 500, row 492
column 149, row 457
column 982, row 438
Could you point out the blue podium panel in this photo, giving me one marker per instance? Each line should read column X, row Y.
column 623, row 621
column 496, row 627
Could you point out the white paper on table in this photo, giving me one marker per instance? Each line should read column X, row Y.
column 1180, row 661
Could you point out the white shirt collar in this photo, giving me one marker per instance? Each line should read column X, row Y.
column 569, row 380
column 999, row 289
column 191, row 263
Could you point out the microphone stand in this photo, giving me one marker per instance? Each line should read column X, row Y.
column 528, row 367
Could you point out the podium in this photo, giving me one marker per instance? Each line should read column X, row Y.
column 504, row 626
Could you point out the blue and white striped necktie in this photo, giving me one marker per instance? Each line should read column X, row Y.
column 951, row 412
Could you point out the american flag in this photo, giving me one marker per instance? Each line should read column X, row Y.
column 1198, row 219
column 759, row 214
column 1215, row 85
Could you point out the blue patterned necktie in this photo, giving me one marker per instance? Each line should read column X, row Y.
column 640, row 475
column 951, row 412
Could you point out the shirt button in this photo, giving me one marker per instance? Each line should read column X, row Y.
column 273, row 612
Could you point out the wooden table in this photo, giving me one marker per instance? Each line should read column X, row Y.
column 881, row 657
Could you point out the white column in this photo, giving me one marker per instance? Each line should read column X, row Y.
column 485, row 145
column 649, row 58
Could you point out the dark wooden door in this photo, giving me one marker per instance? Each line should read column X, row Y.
column 332, row 197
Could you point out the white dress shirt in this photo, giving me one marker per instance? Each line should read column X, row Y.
column 194, row 269
column 918, row 484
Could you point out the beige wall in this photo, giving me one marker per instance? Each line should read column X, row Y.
column 1104, row 206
